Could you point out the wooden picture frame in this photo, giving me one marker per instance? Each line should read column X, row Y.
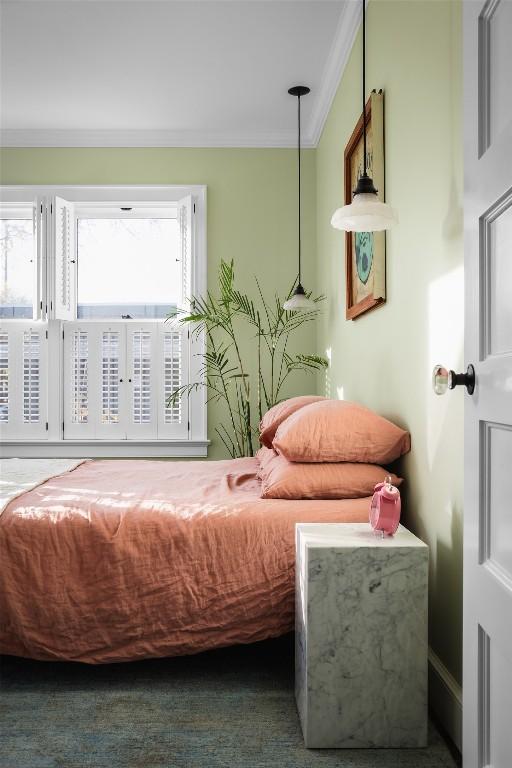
column 365, row 252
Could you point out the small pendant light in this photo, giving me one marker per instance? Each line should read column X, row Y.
column 298, row 300
column 366, row 213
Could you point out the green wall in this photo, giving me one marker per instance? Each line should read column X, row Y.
column 384, row 359
column 252, row 211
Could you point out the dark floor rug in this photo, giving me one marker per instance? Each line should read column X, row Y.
column 232, row 708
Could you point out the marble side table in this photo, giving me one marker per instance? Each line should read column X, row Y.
column 361, row 636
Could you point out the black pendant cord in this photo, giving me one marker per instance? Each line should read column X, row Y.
column 364, row 87
column 298, row 91
column 298, row 159
column 364, row 184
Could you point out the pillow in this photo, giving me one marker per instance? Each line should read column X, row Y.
column 264, row 455
column 283, row 479
column 336, row 430
column 278, row 413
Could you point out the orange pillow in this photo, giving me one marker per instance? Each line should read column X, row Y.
column 278, row 413
column 283, row 479
column 336, row 430
column 264, row 455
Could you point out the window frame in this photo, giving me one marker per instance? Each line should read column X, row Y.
column 95, row 197
column 113, row 210
column 17, row 211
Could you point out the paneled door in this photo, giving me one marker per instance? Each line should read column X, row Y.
column 487, row 678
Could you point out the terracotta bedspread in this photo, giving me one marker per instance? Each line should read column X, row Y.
column 121, row 560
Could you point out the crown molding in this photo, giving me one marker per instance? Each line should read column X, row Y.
column 346, row 31
column 149, row 138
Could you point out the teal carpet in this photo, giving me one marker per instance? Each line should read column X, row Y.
column 232, row 708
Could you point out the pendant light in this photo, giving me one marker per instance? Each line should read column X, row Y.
column 298, row 300
column 366, row 213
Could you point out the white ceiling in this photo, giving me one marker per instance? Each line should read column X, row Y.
column 169, row 72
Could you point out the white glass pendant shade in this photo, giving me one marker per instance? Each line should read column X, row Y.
column 365, row 213
column 298, row 301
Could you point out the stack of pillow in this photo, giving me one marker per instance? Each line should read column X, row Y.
column 316, row 448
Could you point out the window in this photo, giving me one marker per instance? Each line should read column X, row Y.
column 111, row 249
column 17, row 264
column 86, row 355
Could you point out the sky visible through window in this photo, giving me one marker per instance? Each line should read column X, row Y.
column 16, row 268
column 128, row 267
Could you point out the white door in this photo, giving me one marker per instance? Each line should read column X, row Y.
column 487, row 676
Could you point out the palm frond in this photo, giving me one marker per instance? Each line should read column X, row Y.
column 222, row 371
column 226, row 280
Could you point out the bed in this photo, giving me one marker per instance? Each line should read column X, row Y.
column 128, row 559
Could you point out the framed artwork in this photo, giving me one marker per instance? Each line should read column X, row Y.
column 365, row 252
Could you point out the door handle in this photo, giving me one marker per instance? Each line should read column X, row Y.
column 443, row 379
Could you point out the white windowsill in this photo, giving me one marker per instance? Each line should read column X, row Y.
column 104, row 448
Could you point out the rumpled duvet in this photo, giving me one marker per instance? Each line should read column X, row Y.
column 130, row 559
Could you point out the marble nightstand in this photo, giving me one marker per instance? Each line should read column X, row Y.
column 361, row 636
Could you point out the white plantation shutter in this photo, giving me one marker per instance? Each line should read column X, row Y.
column 118, row 378
column 31, row 354
column 94, row 381
column 174, row 365
column 172, row 353
column 109, row 388
column 185, row 217
column 141, row 349
column 41, row 221
column 4, row 377
column 77, row 344
column 23, row 380
column 141, row 386
column 111, row 342
column 79, row 376
column 63, row 259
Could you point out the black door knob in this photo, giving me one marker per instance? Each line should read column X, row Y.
column 443, row 379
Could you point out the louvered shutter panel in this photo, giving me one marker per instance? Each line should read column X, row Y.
column 23, row 380
column 111, row 342
column 41, row 219
column 141, row 350
column 31, row 376
column 185, row 216
column 80, row 376
column 4, row 377
column 78, row 343
column 94, row 381
column 173, row 365
column 63, row 259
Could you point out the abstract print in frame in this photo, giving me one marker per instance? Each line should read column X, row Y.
column 365, row 252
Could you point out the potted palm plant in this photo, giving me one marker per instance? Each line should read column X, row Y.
column 225, row 372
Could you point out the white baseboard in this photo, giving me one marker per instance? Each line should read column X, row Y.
column 445, row 698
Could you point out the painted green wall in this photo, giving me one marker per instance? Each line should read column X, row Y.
column 252, row 210
column 384, row 359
